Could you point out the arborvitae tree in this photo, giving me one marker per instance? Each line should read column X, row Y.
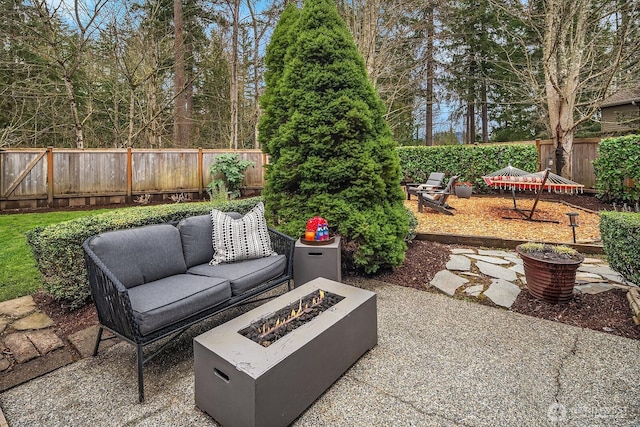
column 274, row 114
column 332, row 154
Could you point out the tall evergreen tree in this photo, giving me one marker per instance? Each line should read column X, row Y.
column 271, row 103
column 333, row 154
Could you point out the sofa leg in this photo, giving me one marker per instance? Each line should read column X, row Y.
column 140, row 380
column 98, row 339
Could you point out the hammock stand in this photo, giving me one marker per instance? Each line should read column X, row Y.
column 516, row 179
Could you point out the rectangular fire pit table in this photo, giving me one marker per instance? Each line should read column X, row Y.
column 241, row 383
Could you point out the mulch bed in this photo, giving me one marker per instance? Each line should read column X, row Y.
column 487, row 216
column 606, row 312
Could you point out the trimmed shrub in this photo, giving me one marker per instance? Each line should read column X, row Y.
column 471, row 162
column 332, row 153
column 620, row 233
column 616, row 169
column 58, row 248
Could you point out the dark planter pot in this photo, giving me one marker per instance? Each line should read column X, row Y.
column 550, row 280
column 463, row 191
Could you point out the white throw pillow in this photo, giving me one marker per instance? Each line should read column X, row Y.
column 239, row 239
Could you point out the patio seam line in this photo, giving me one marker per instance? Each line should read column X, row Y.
column 572, row 352
column 406, row 402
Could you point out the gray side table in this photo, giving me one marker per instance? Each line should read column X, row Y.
column 311, row 261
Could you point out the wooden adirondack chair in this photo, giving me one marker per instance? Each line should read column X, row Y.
column 438, row 200
column 434, row 183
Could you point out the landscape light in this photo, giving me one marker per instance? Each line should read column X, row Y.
column 573, row 223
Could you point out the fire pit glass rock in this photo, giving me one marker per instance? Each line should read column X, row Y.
column 241, row 383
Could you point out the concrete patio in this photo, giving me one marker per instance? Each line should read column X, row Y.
column 439, row 361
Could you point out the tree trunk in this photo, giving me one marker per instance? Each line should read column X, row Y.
column 180, row 111
column 77, row 126
column 471, row 123
column 430, row 71
column 131, row 117
column 485, row 112
column 565, row 38
column 234, row 76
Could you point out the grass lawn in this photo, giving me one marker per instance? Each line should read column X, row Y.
column 18, row 273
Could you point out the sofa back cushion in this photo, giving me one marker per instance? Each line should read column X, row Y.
column 141, row 255
column 195, row 233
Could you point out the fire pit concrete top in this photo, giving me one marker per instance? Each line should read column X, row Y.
column 252, row 358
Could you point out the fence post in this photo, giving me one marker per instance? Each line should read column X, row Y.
column 129, row 175
column 50, row 176
column 200, row 169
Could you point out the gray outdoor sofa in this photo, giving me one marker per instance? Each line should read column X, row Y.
column 155, row 281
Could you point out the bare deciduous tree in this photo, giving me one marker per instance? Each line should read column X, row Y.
column 587, row 51
column 67, row 54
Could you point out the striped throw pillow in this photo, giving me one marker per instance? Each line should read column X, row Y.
column 240, row 239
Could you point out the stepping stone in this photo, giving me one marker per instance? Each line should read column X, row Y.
column 518, row 268
column 33, row 321
column 594, row 288
column 22, row 349
column 4, row 364
column 3, row 324
column 85, row 340
column 459, row 263
column 459, row 251
column 474, row 290
column 494, row 253
column 592, row 261
column 45, row 341
column 514, row 260
column 502, row 292
column 468, row 273
column 496, row 271
column 586, row 275
column 604, row 271
column 489, row 259
column 447, row 282
column 18, row 307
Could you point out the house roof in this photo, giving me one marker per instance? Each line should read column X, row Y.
column 625, row 96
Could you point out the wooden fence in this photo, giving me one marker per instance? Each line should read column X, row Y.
column 585, row 151
column 61, row 177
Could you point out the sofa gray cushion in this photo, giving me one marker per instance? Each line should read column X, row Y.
column 141, row 255
column 165, row 301
column 244, row 275
column 195, row 232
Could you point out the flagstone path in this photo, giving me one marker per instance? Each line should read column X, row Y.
column 499, row 276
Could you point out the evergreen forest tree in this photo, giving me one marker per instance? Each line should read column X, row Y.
column 332, row 154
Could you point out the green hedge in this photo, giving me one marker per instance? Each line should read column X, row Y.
column 58, row 248
column 620, row 233
column 470, row 162
column 616, row 169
